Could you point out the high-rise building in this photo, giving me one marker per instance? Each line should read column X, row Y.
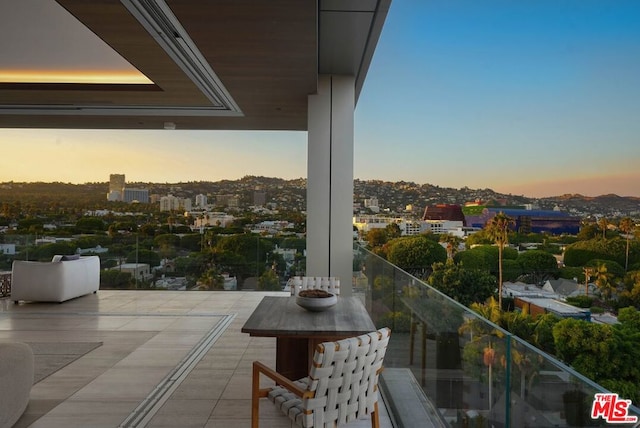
column 136, row 195
column 116, row 187
column 201, row 201
column 173, row 203
column 231, row 201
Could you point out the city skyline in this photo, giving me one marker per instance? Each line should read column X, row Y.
column 537, row 98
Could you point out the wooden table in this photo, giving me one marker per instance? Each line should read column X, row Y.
column 298, row 331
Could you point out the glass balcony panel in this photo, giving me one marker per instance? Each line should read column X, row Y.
column 470, row 371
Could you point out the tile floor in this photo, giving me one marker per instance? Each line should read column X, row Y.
column 167, row 359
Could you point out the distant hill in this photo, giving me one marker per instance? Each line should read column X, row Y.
column 393, row 196
column 609, row 205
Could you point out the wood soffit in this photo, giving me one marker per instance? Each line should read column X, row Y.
column 266, row 53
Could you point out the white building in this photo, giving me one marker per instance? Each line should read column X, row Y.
column 271, row 226
column 98, row 213
column 372, row 204
column 51, row 240
column 201, row 201
column 443, row 226
column 408, row 227
column 139, row 271
column 210, row 219
column 173, row 203
column 95, row 250
column 365, row 223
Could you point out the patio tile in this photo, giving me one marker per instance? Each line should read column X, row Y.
column 144, row 334
column 94, row 414
column 232, row 409
column 183, row 413
column 237, row 387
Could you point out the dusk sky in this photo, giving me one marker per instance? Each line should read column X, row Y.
column 535, row 97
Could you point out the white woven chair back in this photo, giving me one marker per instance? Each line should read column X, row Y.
column 344, row 378
column 330, row 284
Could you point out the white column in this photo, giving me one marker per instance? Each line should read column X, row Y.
column 330, row 180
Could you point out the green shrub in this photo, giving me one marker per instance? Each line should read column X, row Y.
column 511, row 270
column 579, row 253
column 580, row 301
column 569, row 272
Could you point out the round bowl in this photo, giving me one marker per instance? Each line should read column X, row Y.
column 317, row 304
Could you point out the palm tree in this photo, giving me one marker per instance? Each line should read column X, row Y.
column 627, row 226
column 452, row 242
column 602, row 224
column 588, row 273
column 498, row 229
column 211, row 280
column 489, row 310
column 604, row 281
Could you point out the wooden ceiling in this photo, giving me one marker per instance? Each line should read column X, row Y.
column 264, row 52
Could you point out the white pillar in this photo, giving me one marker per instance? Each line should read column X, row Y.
column 330, row 180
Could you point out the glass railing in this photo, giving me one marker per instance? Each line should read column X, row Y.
column 471, row 372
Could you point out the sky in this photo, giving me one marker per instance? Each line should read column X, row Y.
column 529, row 97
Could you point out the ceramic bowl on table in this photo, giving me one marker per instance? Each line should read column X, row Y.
column 316, row 300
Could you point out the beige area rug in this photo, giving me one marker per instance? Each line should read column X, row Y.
column 49, row 357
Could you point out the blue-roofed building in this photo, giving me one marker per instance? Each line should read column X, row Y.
column 530, row 221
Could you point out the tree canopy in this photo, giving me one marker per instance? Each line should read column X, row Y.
column 144, row 256
column 484, row 257
column 579, row 253
column 464, row 285
column 606, row 354
column 539, row 265
column 415, row 254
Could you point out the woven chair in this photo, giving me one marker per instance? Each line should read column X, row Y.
column 342, row 385
column 330, row 284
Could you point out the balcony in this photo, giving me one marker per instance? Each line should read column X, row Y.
column 153, row 358
column 169, row 358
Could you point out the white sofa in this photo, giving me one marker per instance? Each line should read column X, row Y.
column 16, row 379
column 56, row 281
